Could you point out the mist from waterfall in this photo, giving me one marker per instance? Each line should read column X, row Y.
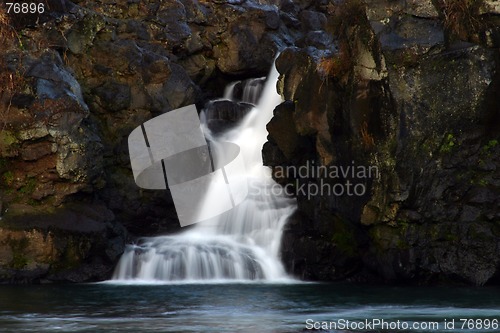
column 241, row 245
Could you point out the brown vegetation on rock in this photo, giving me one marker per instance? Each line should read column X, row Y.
column 337, row 66
column 348, row 24
column 7, row 32
column 10, row 81
column 366, row 138
column 461, row 18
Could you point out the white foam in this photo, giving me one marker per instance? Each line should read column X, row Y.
column 240, row 246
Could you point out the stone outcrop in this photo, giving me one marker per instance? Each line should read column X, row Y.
column 411, row 92
column 408, row 87
column 78, row 79
column 76, row 243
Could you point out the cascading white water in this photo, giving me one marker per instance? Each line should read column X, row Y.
column 252, row 89
column 239, row 245
column 228, row 92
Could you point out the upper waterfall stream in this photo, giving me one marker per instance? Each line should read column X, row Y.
column 240, row 245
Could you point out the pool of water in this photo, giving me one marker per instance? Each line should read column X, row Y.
column 286, row 307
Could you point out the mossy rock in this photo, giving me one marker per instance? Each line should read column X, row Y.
column 8, row 144
column 19, row 256
column 344, row 237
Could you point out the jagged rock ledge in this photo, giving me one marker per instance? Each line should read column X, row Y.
column 78, row 79
column 410, row 89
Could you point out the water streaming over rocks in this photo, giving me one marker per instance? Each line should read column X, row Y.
column 240, row 245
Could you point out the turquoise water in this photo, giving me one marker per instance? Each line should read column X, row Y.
column 237, row 307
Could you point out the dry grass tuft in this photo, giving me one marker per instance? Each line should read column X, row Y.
column 338, row 66
column 328, row 66
column 346, row 14
column 8, row 34
column 11, row 82
column 8, row 37
column 461, row 17
column 346, row 20
column 366, row 138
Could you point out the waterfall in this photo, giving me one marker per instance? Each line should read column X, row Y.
column 247, row 91
column 240, row 245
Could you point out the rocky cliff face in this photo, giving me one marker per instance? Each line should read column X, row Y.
column 76, row 80
column 408, row 88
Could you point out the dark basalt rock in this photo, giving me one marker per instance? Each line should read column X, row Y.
column 416, row 102
column 74, row 243
column 223, row 114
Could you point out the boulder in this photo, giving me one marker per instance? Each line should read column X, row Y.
column 77, row 243
column 221, row 115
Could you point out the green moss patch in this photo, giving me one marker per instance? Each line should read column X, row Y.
column 19, row 258
column 344, row 237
